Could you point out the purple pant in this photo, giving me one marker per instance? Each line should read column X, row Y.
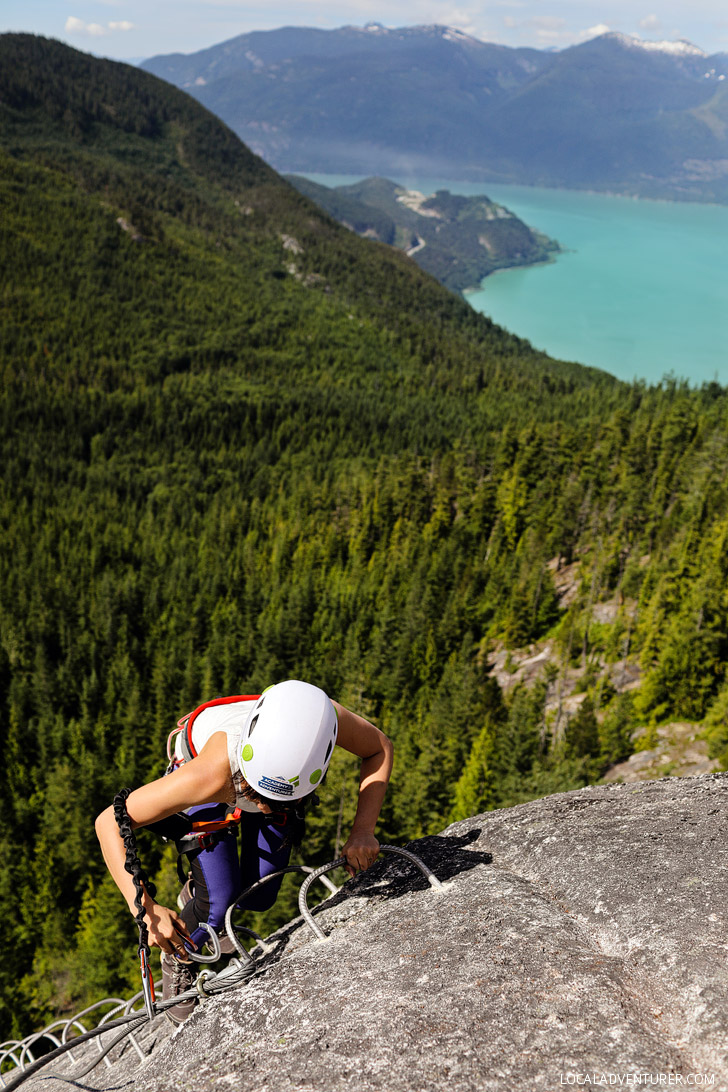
column 220, row 875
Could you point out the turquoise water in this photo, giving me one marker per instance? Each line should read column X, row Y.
column 641, row 290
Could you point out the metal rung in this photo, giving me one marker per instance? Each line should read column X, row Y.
column 405, row 853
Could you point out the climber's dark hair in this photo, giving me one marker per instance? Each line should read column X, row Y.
column 294, row 810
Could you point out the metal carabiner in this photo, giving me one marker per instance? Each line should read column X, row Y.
column 214, row 942
column 147, row 983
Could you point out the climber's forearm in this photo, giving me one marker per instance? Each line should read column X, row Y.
column 373, row 781
column 362, row 738
column 205, row 779
column 112, row 848
column 166, row 930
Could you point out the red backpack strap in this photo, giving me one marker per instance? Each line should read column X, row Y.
column 188, row 747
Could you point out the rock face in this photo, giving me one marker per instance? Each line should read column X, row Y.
column 679, row 752
column 582, row 935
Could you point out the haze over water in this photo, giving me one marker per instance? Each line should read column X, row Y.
column 641, row 291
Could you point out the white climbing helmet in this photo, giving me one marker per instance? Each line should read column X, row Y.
column 286, row 745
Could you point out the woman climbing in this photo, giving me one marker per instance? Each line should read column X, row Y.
column 255, row 762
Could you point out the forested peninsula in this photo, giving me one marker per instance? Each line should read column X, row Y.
column 240, row 443
column 460, row 240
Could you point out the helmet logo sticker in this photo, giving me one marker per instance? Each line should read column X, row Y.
column 279, row 786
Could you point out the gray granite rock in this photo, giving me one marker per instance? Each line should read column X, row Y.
column 579, row 937
column 680, row 751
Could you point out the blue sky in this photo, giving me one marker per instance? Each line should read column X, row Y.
column 134, row 29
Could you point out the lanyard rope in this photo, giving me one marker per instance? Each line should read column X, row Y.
column 142, row 883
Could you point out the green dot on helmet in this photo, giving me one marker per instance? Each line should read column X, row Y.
column 315, row 777
column 247, row 752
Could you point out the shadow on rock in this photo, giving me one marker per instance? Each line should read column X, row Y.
column 391, row 877
column 68, row 1082
column 447, row 856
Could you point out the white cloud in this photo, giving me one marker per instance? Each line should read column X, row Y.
column 548, row 28
column 551, row 30
column 467, row 17
column 78, row 26
column 650, row 22
column 460, row 18
column 94, row 30
column 594, row 32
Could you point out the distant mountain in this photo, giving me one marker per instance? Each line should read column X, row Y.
column 613, row 113
column 458, row 239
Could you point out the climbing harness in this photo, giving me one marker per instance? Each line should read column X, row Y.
column 204, row 834
column 181, row 748
column 184, row 747
column 136, row 1022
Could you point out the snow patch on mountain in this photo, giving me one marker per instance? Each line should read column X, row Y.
column 452, row 34
column 678, row 48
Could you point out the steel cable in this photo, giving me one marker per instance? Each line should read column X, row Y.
column 134, row 1019
column 208, row 982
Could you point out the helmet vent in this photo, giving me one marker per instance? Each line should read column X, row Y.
column 328, row 750
column 253, row 723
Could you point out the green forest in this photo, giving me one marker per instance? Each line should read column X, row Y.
column 240, row 444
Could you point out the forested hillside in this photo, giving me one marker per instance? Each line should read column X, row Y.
column 240, row 443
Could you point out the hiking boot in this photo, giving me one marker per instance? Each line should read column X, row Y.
column 177, row 978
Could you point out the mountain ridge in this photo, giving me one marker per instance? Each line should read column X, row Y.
column 43, row 122
column 611, row 113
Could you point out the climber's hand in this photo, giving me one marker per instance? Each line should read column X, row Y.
column 360, row 851
column 167, row 930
